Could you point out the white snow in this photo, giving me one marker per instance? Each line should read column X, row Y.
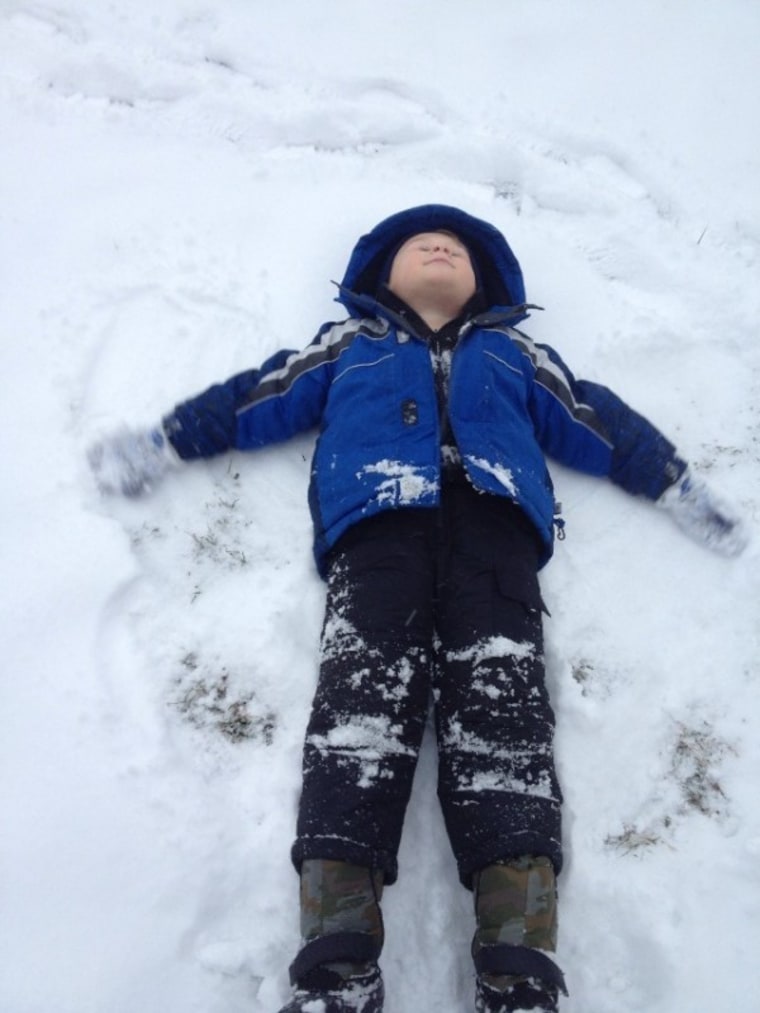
column 179, row 183
column 492, row 647
column 405, row 485
column 502, row 475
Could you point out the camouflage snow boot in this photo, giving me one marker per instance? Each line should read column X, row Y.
column 516, row 910
column 342, row 932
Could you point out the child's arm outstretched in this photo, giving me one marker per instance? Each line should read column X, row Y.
column 251, row 409
column 132, row 461
column 587, row 426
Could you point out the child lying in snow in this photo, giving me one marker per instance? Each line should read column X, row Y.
column 433, row 512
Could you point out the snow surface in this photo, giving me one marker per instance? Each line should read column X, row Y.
column 179, row 183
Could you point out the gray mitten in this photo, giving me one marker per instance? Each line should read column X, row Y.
column 703, row 516
column 131, row 461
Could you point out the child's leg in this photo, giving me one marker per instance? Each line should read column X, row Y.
column 361, row 748
column 497, row 782
column 372, row 698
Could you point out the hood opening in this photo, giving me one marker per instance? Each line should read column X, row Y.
column 497, row 270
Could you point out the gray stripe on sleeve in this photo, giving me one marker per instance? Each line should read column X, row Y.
column 328, row 346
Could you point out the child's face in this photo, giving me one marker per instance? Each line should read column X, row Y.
column 430, row 265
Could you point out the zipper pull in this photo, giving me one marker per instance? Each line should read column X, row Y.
column 559, row 522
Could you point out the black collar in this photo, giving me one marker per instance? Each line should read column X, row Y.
column 390, row 301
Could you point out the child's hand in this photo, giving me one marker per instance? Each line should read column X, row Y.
column 131, row 461
column 703, row 516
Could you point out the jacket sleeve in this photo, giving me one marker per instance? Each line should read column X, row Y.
column 285, row 396
column 587, row 426
column 206, row 425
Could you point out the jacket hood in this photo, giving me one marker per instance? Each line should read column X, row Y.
column 498, row 272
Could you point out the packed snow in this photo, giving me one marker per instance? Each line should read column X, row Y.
column 180, row 182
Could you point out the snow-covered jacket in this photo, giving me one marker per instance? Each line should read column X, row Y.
column 367, row 385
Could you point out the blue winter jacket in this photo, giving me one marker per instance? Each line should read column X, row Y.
column 367, row 385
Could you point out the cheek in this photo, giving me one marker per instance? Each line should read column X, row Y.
column 468, row 281
column 402, row 272
column 394, row 282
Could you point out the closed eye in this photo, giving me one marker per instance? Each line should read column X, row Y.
column 427, row 248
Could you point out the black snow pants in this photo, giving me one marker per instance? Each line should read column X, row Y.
column 440, row 604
